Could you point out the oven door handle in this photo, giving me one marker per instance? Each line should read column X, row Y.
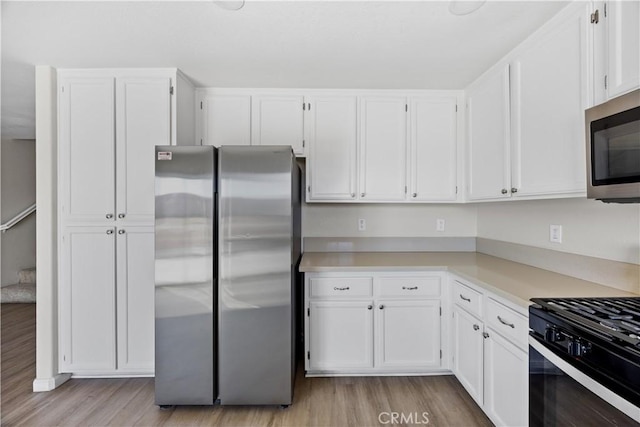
column 601, row 391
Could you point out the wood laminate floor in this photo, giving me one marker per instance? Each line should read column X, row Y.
column 357, row 401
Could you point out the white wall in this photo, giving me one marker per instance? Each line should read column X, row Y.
column 387, row 220
column 589, row 227
column 18, row 192
column 47, row 376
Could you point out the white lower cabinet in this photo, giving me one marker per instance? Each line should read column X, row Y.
column 408, row 334
column 341, row 335
column 468, row 352
column 106, row 301
column 135, row 289
column 505, row 381
column 373, row 324
column 490, row 356
column 87, row 300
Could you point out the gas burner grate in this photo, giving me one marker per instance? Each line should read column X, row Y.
column 618, row 318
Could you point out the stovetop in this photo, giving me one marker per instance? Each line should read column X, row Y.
column 598, row 336
column 617, row 318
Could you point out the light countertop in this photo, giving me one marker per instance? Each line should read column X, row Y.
column 510, row 280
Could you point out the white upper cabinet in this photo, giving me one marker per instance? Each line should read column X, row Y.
column 278, row 120
column 331, row 129
column 226, row 120
column 622, row 21
column 109, row 123
column 87, row 148
column 549, row 92
column 383, row 154
column 526, row 116
column 361, row 146
column 433, row 148
column 488, row 128
column 143, row 120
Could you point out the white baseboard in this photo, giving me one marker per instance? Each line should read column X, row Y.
column 48, row 384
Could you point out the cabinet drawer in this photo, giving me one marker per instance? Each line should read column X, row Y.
column 409, row 286
column 467, row 298
column 509, row 323
column 320, row 287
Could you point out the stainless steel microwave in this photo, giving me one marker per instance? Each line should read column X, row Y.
column 613, row 149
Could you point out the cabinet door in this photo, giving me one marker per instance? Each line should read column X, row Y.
column 143, row 121
column 408, row 334
column 87, row 300
column 383, row 148
column 226, row 120
column 550, row 90
column 506, row 387
column 468, row 352
column 488, row 136
column 278, row 120
column 433, row 148
column 332, row 135
column 87, row 147
column 623, row 46
column 341, row 335
column 135, row 299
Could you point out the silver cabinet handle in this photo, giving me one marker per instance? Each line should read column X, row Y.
column 514, row 190
column 511, row 325
column 353, row 195
column 462, row 297
column 413, row 288
column 485, row 334
column 120, row 231
column 504, row 191
column 415, row 194
column 121, row 215
column 109, row 231
column 476, row 327
column 381, row 307
column 109, row 216
column 369, row 307
column 335, row 288
column 361, row 194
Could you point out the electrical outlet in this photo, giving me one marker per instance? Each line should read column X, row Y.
column 440, row 223
column 362, row 224
column 555, row 233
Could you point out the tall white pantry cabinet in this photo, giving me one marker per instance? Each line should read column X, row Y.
column 109, row 121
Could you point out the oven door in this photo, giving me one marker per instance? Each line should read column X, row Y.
column 560, row 394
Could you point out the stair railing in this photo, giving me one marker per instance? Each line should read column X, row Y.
column 19, row 217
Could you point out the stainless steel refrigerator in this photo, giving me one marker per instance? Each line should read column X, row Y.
column 185, row 276
column 259, row 248
column 227, row 249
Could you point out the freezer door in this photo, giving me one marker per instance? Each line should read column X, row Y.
column 185, row 292
column 255, row 302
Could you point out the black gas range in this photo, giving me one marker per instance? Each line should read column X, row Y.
column 598, row 339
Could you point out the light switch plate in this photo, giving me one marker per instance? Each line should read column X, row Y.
column 555, row 233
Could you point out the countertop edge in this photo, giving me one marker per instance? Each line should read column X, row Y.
column 510, row 273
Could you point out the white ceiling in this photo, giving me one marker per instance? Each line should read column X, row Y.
column 325, row 44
